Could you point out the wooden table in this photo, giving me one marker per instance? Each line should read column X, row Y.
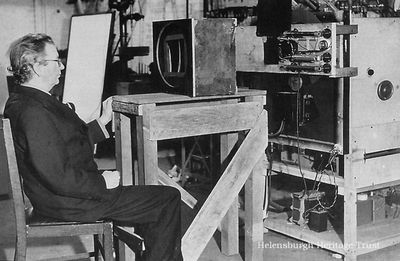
column 161, row 116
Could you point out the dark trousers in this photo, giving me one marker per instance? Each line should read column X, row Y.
column 155, row 211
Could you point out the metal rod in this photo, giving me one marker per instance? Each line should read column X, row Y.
column 187, row 8
column 381, row 153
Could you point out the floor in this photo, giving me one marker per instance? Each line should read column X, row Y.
column 276, row 246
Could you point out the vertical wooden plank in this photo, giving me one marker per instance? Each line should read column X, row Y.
column 147, row 149
column 139, row 177
column 254, row 192
column 230, row 223
column 123, row 149
column 254, row 199
column 350, row 195
column 183, row 153
column 123, row 157
column 108, row 242
column 350, row 211
column 15, row 190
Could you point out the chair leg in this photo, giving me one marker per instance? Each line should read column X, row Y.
column 96, row 243
column 116, row 248
column 20, row 248
column 108, row 243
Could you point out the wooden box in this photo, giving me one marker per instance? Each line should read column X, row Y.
column 195, row 57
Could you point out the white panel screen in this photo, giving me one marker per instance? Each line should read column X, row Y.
column 86, row 63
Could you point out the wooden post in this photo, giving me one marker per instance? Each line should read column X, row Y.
column 230, row 223
column 350, row 211
column 124, row 164
column 147, row 149
column 123, row 149
column 254, row 199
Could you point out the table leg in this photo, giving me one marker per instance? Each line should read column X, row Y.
column 146, row 149
column 254, row 228
column 123, row 148
column 230, row 223
column 123, row 153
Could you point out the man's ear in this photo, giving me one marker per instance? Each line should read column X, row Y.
column 37, row 69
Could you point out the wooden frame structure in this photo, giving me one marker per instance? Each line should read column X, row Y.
column 163, row 116
column 364, row 123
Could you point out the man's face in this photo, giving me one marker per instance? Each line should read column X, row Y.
column 50, row 70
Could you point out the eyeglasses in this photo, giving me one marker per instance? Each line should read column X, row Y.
column 55, row 60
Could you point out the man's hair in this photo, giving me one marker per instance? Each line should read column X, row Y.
column 24, row 52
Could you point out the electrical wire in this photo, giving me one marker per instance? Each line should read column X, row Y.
column 316, row 174
column 336, row 192
column 279, row 131
column 305, row 192
column 320, row 204
column 332, row 156
column 268, row 180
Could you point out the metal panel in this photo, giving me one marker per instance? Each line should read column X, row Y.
column 375, row 47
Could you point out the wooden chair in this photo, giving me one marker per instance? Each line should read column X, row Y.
column 102, row 231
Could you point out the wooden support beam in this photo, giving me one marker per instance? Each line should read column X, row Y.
column 185, row 122
column 226, row 190
column 164, row 179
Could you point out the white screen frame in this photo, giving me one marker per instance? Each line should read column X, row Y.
column 88, row 48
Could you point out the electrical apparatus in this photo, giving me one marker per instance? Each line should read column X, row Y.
column 305, row 50
column 195, row 57
column 336, row 132
column 318, row 220
column 312, row 49
column 335, row 10
column 308, row 109
column 303, row 203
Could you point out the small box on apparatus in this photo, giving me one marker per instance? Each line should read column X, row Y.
column 318, row 220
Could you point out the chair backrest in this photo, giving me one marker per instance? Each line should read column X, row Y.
column 15, row 189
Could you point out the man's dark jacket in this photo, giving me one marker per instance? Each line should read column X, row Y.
column 54, row 150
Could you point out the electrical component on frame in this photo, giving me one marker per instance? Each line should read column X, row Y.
column 313, row 50
column 385, row 90
column 295, row 82
column 362, row 6
column 318, row 220
column 334, row 10
column 303, row 203
column 309, row 110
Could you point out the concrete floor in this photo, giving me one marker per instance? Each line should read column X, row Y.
column 294, row 250
column 53, row 247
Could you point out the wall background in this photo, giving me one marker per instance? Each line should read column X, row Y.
column 52, row 17
column 18, row 18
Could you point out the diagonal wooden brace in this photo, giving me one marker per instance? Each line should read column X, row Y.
column 226, row 190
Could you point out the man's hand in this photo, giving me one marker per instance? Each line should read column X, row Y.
column 112, row 178
column 106, row 114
